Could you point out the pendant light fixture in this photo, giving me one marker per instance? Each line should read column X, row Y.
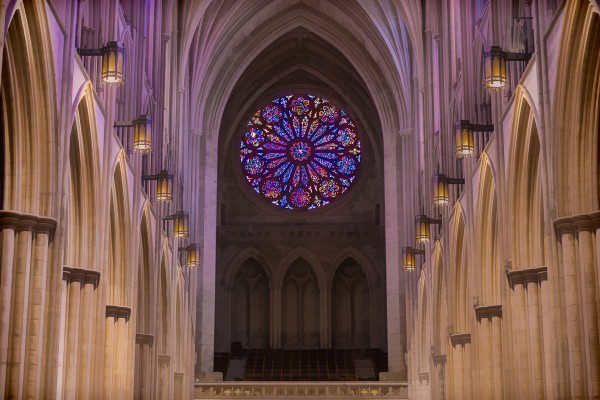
column 494, row 62
column 142, row 132
column 164, row 185
column 464, row 136
column 113, row 61
column 423, row 227
column 409, row 258
column 192, row 255
column 441, row 190
column 181, row 224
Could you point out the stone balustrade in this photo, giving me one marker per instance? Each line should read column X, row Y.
column 282, row 390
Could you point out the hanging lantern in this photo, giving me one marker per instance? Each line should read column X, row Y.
column 408, row 259
column 164, row 186
column 193, row 255
column 423, row 229
column 181, row 226
column 142, row 134
column 113, row 63
column 494, row 62
column 464, row 139
column 441, row 195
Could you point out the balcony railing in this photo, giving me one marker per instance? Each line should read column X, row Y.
column 282, row 390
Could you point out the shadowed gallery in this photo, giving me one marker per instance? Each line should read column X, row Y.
column 300, row 199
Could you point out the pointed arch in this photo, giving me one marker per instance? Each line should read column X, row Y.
column 486, row 232
column 351, row 302
column 232, row 268
column 164, row 304
column 576, row 116
column 290, row 258
column 458, row 299
column 300, row 297
column 29, row 178
column 352, row 252
column 440, row 300
column 525, row 188
column 120, row 239
column 82, row 208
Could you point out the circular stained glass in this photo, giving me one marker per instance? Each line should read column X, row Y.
column 300, row 152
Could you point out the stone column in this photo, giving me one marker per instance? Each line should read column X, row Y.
column 325, row 319
column 163, row 376
column 143, row 383
column 71, row 345
column 7, row 252
column 490, row 347
column 38, row 295
column 439, row 363
column 115, row 352
column 574, row 337
column 461, row 371
column 527, row 282
column 88, row 332
column 587, row 280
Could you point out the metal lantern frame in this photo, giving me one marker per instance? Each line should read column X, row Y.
column 494, row 64
column 142, row 132
column 181, row 224
column 164, row 185
column 464, row 134
column 423, row 227
column 441, row 188
column 192, row 255
column 113, row 61
column 409, row 258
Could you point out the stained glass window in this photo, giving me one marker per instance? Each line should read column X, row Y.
column 300, row 152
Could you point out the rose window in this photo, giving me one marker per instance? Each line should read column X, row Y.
column 300, row 152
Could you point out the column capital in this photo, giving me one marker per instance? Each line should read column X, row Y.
column 164, row 359
column 23, row 221
column 488, row 312
column 81, row 275
column 460, row 338
column 438, row 359
column 144, row 338
column 578, row 222
column 423, row 376
column 525, row 276
column 118, row 312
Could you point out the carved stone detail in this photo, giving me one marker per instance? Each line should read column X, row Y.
column 81, row 275
column 143, row 338
column 460, row 339
column 439, row 359
column 575, row 223
column 20, row 222
column 525, row 276
column 118, row 312
column 488, row 312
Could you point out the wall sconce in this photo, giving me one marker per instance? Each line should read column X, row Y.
column 423, row 227
column 181, row 224
column 494, row 62
column 164, row 185
column 408, row 258
column 113, row 61
column 192, row 257
column 142, row 132
column 464, row 136
column 441, row 191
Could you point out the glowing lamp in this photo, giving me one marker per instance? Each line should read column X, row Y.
column 409, row 258
column 142, row 134
column 494, row 62
column 423, row 227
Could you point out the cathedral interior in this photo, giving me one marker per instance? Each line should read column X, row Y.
column 211, row 199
